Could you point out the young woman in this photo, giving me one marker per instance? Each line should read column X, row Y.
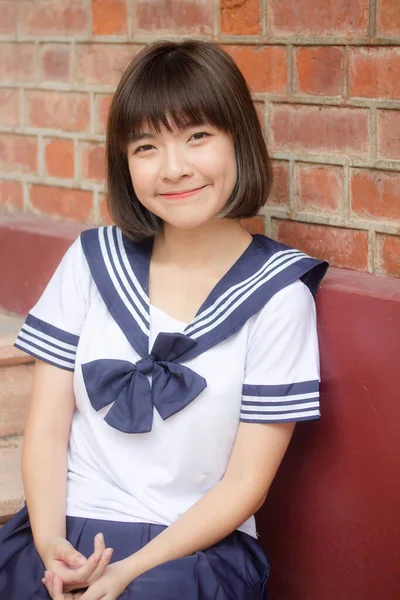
column 176, row 352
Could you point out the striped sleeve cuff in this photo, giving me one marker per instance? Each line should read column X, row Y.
column 280, row 403
column 48, row 343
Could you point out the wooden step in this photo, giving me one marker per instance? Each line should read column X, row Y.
column 16, row 372
column 11, row 490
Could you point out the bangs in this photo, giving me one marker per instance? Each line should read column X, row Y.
column 173, row 91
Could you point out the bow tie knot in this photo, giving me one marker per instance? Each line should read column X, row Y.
column 125, row 385
column 145, row 365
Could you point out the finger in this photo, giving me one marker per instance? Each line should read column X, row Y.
column 49, row 584
column 57, row 588
column 79, row 577
column 70, row 556
column 99, row 544
column 103, row 564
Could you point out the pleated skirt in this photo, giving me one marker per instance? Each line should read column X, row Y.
column 234, row 569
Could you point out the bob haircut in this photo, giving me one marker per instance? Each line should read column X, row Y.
column 186, row 83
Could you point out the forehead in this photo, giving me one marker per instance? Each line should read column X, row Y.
column 153, row 104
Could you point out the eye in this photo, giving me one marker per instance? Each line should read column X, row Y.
column 143, row 148
column 199, row 135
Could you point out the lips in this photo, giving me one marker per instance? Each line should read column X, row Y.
column 183, row 193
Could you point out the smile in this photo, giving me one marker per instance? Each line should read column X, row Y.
column 183, row 194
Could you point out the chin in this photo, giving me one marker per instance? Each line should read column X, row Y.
column 189, row 224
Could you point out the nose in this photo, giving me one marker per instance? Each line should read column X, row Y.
column 175, row 164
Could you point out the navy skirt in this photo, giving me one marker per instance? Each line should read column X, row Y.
column 234, row 569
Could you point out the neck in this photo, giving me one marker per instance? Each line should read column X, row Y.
column 196, row 247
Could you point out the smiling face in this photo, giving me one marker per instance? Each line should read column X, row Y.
column 184, row 176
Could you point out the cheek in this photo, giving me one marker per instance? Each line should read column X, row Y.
column 221, row 166
column 141, row 177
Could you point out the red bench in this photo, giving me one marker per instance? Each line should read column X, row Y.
column 331, row 522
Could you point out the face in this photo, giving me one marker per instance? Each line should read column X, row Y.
column 185, row 176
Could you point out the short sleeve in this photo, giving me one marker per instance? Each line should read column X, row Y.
column 52, row 328
column 281, row 380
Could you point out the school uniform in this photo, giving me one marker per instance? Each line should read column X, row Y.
column 159, row 402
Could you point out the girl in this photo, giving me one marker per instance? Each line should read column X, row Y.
column 176, row 352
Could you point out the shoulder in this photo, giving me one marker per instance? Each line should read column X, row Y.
column 285, row 264
column 292, row 304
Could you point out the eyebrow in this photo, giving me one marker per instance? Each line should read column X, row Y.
column 140, row 136
column 147, row 135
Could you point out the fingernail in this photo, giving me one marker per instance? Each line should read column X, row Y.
column 100, row 537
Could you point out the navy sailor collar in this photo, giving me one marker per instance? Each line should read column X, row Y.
column 120, row 269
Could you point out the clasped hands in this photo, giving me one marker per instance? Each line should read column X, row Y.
column 70, row 576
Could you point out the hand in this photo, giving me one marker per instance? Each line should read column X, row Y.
column 74, row 570
column 54, row 586
column 110, row 585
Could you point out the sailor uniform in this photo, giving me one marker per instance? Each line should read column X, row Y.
column 159, row 401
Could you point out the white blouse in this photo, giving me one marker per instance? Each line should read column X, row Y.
column 159, row 401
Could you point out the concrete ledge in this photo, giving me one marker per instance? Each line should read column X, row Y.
column 11, row 490
column 31, row 248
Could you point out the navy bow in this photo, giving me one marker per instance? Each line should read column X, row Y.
column 126, row 384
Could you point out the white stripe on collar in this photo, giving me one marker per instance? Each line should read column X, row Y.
column 129, row 294
column 270, row 269
column 135, row 282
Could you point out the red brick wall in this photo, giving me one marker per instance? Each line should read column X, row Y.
column 325, row 75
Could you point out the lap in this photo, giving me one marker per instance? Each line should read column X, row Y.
column 233, row 569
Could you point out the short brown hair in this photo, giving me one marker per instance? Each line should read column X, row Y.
column 189, row 82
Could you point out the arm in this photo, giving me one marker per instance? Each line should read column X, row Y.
column 44, row 456
column 44, row 472
column 256, row 456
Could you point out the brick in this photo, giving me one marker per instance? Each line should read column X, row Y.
column 54, row 17
column 388, row 133
column 101, row 109
column 105, row 217
column 319, row 17
column 319, row 70
column 254, row 225
column 93, row 161
column 62, row 202
column 55, row 62
column 318, row 187
column 375, row 73
column 102, row 64
column 11, row 195
column 18, row 153
column 280, row 188
column 320, row 129
column 109, row 17
column 17, row 61
column 388, row 18
column 264, row 67
column 346, row 248
column 240, row 17
column 68, row 111
column 375, row 194
column 174, row 16
column 389, row 254
column 9, row 107
column 8, row 21
column 59, row 158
